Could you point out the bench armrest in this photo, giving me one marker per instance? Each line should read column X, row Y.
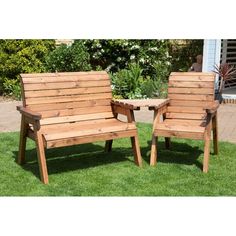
column 125, row 105
column 29, row 113
column 212, row 107
column 157, row 107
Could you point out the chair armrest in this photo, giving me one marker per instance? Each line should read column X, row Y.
column 163, row 104
column 212, row 107
column 29, row 113
column 125, row 105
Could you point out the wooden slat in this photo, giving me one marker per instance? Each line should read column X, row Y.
column 67, row 78
column 186, row 103
column 63, row 92
column 64, row 119
column 75, row 111
column 183, row 109
column 179, row 134
column 73, row 98
column 191, row 90
column 192, row 74
column 183, row 84
column 199, row 78
column 186, row 116
column 90, row 139
column 89, row 131
column 179, row 127
column 56, row 74
column 54, row 128
column 186, row 122
column 90, row 104
column 63, row 85
column 191, row 97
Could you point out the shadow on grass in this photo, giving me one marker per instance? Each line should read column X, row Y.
column 179, row 153
column 91, row 155
column 77, row 157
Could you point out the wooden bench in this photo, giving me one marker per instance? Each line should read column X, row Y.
column 64, row 109
column 191, row 112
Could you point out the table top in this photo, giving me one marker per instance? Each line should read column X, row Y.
column 137, row 103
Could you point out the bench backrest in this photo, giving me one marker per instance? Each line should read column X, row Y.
column 58, row 96
column 189, row 92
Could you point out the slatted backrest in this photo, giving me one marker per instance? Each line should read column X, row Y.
column 189, row 92
column 68, row 94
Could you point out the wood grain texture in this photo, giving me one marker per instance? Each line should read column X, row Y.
column 70, row 108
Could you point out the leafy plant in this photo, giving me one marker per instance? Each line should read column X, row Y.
column 225, row 71
column 22, row 56
column 127, row 82
column 12, row 88
column 69, row 58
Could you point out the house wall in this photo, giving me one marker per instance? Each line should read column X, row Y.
column 211, row 55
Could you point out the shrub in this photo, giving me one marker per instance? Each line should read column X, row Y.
column 69, row 58
column 12, row 88
column 22, row 56
column 115, row 55
column 126, row 83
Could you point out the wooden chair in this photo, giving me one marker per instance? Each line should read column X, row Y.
column 191, row 112
column 63, row 109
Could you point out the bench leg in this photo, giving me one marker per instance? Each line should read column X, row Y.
column 108, row 145
column 167, row 142
column 22, row 143
column 153, row 159
column 136, row 150
column 41, row 157
column 215, row 134
column 207, row 148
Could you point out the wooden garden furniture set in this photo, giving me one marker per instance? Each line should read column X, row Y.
column 64, row 109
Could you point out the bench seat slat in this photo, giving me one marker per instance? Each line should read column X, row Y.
column 90, row 130
column 91, row 138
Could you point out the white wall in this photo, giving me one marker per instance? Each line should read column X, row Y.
column 211, row 55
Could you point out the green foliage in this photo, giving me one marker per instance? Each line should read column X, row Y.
column 69, row 58
column 22, row 56
column 115, row 55
column 127, row 82
column 12, row 88
column 154, row 88
column 184, row 53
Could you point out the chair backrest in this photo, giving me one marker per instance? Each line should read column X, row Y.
column 189, row 92
column 68, row 94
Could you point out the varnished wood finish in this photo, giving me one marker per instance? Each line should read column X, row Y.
column 64, row 109
column 215, row 133
column 22, row 143
column 189, row 112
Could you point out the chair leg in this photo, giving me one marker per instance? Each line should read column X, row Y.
column 22, row 143
column 207, row 148
column 136, row 150
column 167, row 142
column 41, row 157
column 215, row 134
column 108, row 145
column 153, row 159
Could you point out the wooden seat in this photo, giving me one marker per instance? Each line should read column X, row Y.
column 63, row 109
column 191, row 112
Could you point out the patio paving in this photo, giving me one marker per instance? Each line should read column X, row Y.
column 10, row 119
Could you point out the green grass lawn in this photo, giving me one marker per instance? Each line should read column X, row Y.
column 85, row 170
